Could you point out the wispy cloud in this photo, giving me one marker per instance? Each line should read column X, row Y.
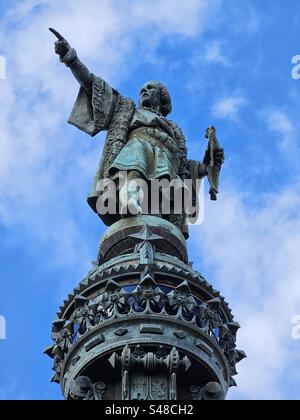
column 44, row 170
column 279, row 122
column 228, row 107
column 214, row 54
column 252, row 255
column 46, row 166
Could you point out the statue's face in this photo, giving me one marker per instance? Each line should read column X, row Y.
column 150, row 95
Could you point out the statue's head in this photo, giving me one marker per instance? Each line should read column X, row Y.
column 154, row 95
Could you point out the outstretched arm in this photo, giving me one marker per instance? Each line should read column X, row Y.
column 69, row 57
column 96, row 101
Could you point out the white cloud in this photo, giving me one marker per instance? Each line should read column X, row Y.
column 45, row 165
column 252, row 254
column 247, row 19
column 228, row 107
column 183, row 17
column 214, row 54
column 278, row 122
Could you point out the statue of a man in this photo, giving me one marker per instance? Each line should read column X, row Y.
column 141, row 141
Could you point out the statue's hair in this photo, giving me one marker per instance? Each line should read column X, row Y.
column 166, row 101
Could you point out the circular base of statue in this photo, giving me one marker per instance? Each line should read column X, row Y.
column 123, row 236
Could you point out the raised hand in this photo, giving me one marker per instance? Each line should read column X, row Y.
column 61, row 46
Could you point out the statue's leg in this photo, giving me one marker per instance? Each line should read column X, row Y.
column 176, row 208
column 132, row 194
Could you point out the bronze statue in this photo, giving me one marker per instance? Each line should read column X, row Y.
column 128, row 330
column 141, row 141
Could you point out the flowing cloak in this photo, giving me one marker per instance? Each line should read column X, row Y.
column 106, row 109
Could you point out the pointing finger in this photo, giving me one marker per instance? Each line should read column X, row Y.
column 57, row 34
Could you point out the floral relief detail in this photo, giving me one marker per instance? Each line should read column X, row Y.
column 147, row 298
column 82, row 389
column 113, row 302
column 208, row 316
column 63, row 334
column 84, row 317
column 181, row 302
column 63, row 337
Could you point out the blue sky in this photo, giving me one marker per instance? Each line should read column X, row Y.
column 225, row 62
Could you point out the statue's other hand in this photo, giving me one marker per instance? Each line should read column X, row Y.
column 61, row 46
column 219, row 156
